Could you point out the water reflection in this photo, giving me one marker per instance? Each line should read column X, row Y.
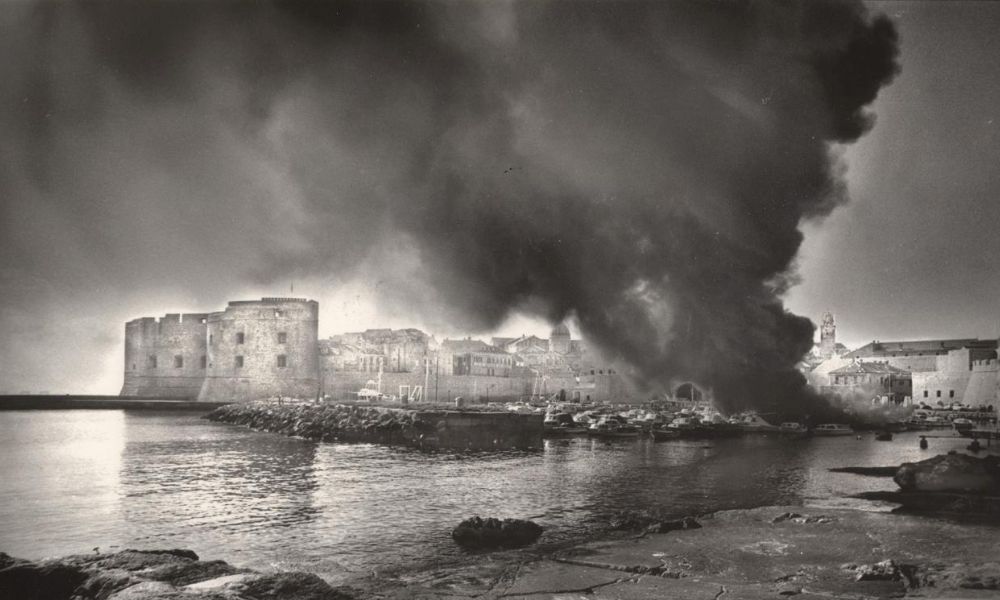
column 71, row 480
column 59, row 469
column 197, row 486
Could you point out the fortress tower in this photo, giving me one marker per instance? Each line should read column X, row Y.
column 252, row 349
column 262, row 348
column 165, row 357
column 827, row 336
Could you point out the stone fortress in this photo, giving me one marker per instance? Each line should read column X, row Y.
column 252, row 349
column 270, row 347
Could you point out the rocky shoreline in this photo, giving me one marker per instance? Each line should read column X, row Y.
column 424, row 428
column 153, row 574
column 767, row 552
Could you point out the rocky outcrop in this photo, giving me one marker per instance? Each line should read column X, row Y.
column 327, row 423
column 490, row 534
column 152, row 575
column 951, row 472
column 867, row 471
column 668, row 526
column 425, row 429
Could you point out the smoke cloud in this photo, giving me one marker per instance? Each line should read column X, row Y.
column 641, row 167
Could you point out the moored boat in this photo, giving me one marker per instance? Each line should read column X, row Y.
column 613, row 428
column 754, row 423
column 833, row 430
column 664, row 433
column 963, row 425
column 793, row 430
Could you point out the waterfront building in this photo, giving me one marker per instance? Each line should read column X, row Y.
column 873, row 379
column 946, row 371
column 475, row 357
column 374, row 350
column 270, row 347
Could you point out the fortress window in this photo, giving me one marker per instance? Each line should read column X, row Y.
column 240, row 337
column 203, row 361
column 939, row 393
column 133, row 366
column 925, row 393
column 951, row 393
column 239, row 362
column 282, row 360
column 282, row 337
column 211, row 338
column 152, row 361
column 178, row 361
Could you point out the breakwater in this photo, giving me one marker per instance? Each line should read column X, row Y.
column 64, row 402
column 418, row 428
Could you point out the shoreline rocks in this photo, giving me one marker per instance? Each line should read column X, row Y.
column 493, row 534
column 952, row 472
column 151, row 575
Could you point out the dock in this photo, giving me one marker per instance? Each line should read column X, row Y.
column 85, row 402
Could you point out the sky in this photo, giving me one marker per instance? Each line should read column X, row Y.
column 161, row 162
column 913, row 255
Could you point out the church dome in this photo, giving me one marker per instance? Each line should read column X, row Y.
column 560, row 330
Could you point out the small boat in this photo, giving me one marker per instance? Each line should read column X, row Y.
column 793, row 430
column 694, row 429
column 963, row 425
column 562, row 424
column 664, row 433
column 563, row 429
column 613, row 428
column 754, row 423
column 833, row 430
column 883, row 436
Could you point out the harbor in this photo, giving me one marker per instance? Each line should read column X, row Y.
column 346, row 510
column 517, row 300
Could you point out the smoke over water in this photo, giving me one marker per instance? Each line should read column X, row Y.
column 642, row 167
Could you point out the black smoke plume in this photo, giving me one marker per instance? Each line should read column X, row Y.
column 642, row 167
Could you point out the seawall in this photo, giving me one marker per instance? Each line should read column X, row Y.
column 53, row 402
column 424, row 429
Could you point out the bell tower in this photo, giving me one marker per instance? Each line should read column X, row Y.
column 827, row 336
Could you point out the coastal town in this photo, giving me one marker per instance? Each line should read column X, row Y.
column 499, row 300
column 269, row 349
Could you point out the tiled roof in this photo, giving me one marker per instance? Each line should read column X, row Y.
column 876, row 368
column 918, row 347
column 465, row 346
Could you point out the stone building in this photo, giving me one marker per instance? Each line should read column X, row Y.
column 475, row 357
column 962, row 371
column 872, row 379
column 392, row 351
column 252, row 349
column 270, row 347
